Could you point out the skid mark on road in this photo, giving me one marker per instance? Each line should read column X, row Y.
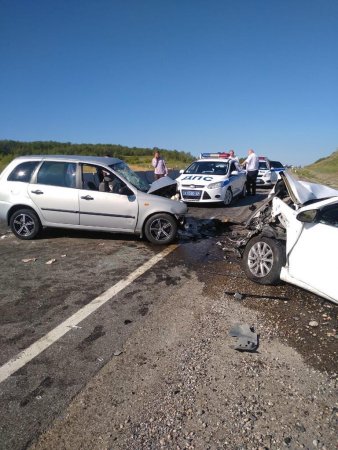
column 50, row 338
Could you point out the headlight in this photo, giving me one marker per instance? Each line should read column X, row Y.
column 215, row 185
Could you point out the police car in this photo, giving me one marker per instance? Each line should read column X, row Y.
column 212, row 178
column 268, row 171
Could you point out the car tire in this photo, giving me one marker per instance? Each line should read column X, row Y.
column 25, row 224
column 228, row 197
column 160, row 229
column 243, row 193
column 263, row 259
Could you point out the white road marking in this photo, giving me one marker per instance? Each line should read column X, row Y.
column 46, row 341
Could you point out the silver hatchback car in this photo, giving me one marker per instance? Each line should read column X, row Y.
column 85, row 192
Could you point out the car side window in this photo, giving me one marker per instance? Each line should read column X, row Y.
column 55, row 173
column 23, row 172
column 329, row 215
column 96, row 178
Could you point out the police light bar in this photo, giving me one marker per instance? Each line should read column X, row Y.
column 215, row 155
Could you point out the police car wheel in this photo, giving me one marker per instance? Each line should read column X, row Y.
column 228, row 197
column 160, row 229
column 243, row 193
column 263, row 259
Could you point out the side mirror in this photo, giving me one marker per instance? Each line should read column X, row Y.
column 182, row 171
column 234, row 172
column 308, row 216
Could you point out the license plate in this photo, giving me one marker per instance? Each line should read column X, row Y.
column 191, row 193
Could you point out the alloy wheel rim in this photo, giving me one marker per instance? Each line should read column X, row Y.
column 160, row 229
column 260, row 259
column 23, row 225
column 227, row 197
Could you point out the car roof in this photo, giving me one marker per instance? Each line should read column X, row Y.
column 213, row 160
column 106, row 160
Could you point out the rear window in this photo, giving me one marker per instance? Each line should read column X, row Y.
column 23, row 172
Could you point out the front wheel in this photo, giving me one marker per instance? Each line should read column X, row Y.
column 25, row 224
column 228, row 197
column 160, row 229
column 263, row 259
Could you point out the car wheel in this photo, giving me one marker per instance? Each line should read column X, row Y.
column 263, row 259
column 243, row 193
column 25, row 224
column 228, row 197
column 160, row 229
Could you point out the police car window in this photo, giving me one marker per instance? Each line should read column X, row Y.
column 262, row 165
column 208, row 167
column 276, row 165
column 23, row 171
column 329, row 215
column 55, row 173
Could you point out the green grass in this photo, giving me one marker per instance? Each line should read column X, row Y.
column 323, row 171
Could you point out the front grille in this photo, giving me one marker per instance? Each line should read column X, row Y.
column 200, row 186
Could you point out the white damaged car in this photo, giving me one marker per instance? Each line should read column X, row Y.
column 211, row 179
column 294, row 238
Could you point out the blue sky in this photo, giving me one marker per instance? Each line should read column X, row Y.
column 189, row 75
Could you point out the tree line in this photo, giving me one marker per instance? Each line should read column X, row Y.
column 11, row 149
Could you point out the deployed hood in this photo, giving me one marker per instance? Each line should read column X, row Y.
column 302, row 192
column 165, row 187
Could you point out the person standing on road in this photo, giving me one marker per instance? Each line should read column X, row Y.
column 160, row 167
column 251, row 165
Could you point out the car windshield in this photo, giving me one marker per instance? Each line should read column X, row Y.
column 209, row 167
column 133, row 178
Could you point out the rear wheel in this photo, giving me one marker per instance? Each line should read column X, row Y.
column 160, row 229
column 25, row 224
column 228, row 197
column 263, row 259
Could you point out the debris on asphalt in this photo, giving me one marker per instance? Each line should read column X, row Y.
column 26, row 260
column 51, row 261
column 238, row 296
column 63, row 256
column 117, row 352
column 247, row 339
column 313, row 323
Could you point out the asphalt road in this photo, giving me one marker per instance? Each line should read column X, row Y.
column 37, row 297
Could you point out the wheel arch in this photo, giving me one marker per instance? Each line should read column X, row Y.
column 15, row 208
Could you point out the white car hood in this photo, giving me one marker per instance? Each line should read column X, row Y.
column 303, row 191
column 200, row 179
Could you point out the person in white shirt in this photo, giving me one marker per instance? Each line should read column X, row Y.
column 235, row 159
column 251, row 166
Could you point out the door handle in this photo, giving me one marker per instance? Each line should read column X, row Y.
column 38, row 192
column 87, row 197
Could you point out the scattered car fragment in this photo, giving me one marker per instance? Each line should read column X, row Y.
column 84, row 192
column 247, row 339
column 293, row 237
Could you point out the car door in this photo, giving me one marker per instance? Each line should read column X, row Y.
column 109, row 209
column 53, row 191
column 313, row 258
